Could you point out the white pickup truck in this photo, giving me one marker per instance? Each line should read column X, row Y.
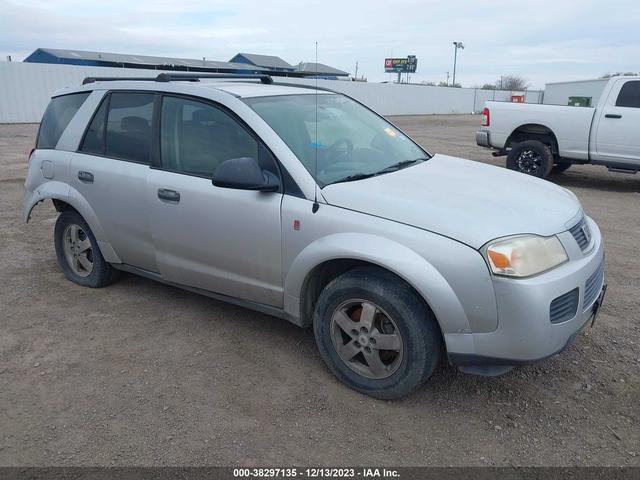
column 540, row 138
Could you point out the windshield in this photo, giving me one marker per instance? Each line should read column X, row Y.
column 352, row 141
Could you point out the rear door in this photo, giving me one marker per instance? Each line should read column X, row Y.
column 110, row 171
column 222, row 240
column 617, row 137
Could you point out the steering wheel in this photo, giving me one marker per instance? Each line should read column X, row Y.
column 341, row 148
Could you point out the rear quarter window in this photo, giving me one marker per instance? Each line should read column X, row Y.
column 56, row 118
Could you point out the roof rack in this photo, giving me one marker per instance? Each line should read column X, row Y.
column 303, row 85
column 184, row 77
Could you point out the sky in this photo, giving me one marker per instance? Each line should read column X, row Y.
column 543, row 41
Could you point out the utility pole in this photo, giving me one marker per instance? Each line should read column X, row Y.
column 456, row 46
column 447, row 79
column 356, row 75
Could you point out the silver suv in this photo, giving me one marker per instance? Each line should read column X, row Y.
column 304, row 204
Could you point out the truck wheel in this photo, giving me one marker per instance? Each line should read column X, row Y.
column 531, row 157
column 78, row 253
column 560, row 167
column 375, row 334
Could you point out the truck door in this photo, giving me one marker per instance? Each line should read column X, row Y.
column 617, row 136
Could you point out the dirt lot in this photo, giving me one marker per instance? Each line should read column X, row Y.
column 145, row 374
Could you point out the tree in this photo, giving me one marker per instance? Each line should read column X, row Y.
column 429, row 84
column 488, row 86
column 445, row 84
column 512, row 82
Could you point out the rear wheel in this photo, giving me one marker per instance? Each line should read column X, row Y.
column 531, row 157
column 78, row 253
column 375, row 334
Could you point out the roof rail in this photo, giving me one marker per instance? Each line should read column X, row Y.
column 109, row 79
column 184, row 77
column 303, row 85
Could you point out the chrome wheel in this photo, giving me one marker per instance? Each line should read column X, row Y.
column 77, row 250
column 529, row 161
column 366, row 339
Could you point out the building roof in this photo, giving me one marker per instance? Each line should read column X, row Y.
column 267, row 61
column 320, row 69
column 143, row 59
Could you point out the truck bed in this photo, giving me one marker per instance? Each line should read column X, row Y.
column 571, row 125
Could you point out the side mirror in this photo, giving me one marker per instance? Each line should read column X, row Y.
column 244, row 174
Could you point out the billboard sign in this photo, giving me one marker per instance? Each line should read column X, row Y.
column 401, row 65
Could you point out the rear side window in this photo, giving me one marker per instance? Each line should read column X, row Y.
column 129, row 126
column 56, row 118
column 629, row 95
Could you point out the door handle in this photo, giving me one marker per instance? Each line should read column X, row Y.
column 86, row 177
column 612, row 115
column 168, row 195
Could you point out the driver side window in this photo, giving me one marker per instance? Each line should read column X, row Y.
column 196, row 137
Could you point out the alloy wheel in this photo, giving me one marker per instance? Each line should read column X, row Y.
column 529, row 161
column 78, row 250
column 366, row 339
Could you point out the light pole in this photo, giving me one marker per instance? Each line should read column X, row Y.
column 456, row 46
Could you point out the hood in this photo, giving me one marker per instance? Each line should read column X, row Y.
column 469, row 201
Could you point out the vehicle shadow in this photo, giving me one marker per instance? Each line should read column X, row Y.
column 606, row 182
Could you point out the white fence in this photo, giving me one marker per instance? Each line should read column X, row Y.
column 25, row 90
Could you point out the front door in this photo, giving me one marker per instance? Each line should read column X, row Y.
column 617, row 136
column 222, row 240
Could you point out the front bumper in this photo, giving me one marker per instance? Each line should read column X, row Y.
column 525, row 333
column 483, row 138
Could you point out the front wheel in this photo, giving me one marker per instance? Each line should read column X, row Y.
column 375, row 334
column 532, row 158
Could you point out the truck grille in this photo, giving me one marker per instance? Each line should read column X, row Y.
column 592, row 286
column 582, row 234
column 564, row 307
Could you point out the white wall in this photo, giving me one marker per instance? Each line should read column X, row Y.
column 559, row 93
column 25, row 90
column 394, row 99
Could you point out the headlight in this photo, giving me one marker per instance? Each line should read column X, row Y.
column 524, row 255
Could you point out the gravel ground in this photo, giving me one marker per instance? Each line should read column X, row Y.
column 140, row 373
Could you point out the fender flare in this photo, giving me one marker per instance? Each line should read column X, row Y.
column 56, row 190
column 555, row 148
column 388, row 254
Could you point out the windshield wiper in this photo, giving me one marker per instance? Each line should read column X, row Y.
column 355, row 176
column 391, row 168
column 400, row 165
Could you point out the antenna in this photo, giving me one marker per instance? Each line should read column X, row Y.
column 316, row 205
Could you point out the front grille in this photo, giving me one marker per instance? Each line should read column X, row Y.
column 582, row 234
column 564, row 307
column 592, row 286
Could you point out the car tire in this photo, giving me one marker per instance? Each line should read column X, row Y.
column 560, row 167
column 394, row 310
column 78, row 253
column 531, row 157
